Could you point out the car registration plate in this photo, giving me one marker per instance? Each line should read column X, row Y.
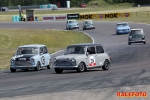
column 22, row 58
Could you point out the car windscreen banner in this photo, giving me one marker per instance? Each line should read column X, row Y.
column 104, row 16
column 54, row 17
column 73, row 16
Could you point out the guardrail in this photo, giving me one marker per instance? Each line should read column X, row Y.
column 85, row 16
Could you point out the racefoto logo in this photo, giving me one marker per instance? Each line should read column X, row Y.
column 132, row 94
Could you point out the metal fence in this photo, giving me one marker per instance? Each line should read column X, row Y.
column 25, row 7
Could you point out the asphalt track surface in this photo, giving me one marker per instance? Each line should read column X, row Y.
column 129, row 70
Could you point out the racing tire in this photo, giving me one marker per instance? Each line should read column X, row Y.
column 58, row 71
column 38, row 66
column 144, row 42
column 129, row 43
column 12, row 70
column 106, row 65
column 50, row 65
column 117, row 33
column 81, row 67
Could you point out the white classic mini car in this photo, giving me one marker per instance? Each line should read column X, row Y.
column 33, row 56
column 81, row 57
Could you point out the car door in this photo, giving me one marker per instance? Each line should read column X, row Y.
column 46, row 56
column 42, row 57
column 100, row 58
column 92, row 61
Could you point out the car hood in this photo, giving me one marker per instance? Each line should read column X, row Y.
column 69, row 56
column 89, row 25
column 72, row 24
column 16, row 57
column 126, row 27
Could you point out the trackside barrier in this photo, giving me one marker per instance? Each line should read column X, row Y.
column 54, row 17
column 104, row 16
column 15, row 18
column 85, row 16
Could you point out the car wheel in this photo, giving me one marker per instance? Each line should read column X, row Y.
column 81, row 67
column 37, row 68
column 129, row 43
column 144, row 42
column 106, row 65
column 50, row 65
column 117, row 33
column 12, row 70
column 58, row 71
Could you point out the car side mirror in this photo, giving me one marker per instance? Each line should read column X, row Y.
column 87, row 53
column 41, row 53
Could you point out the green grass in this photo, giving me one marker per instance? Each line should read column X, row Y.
column 10, row 39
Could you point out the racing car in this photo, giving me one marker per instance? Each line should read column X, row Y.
column 136, row 36
column 88, row 24
column 72, row 24
column 81, row 57
column 33, row 56
column 122, row 28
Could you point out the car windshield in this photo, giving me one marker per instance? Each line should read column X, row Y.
column 71, row 21
column 122, row 25
column 27, row 50
column 88, row 22
column 136, row 33
column 75, row 50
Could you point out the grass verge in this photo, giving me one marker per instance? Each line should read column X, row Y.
column 53, row 39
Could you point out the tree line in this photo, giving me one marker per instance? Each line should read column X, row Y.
column 128, row 1
column 73, row 2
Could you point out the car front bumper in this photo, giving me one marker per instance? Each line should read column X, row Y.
column 123, row 32
column 90, row 27
column 23, row 67
column 66, row 67
column 137, row 41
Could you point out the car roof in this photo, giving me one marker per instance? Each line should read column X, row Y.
column 86, row 44
column 88, row 20
column 122, row 23
column 137, row 29
column 71, row 20
column 33, row 45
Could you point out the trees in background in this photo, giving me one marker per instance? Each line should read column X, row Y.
column 129, row 1
column 74, row 3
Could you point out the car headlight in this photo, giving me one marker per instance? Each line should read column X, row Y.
column 12, row 61
column 55, row 60
column 73, row 60
column 143, row 37
column 130, row 37
column 32, row 61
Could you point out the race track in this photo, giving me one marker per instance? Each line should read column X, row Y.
column 129, row 71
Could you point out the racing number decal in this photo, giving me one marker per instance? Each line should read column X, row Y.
column 92, row 61
column 43, row 60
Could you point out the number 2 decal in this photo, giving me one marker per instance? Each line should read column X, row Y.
column 92, row 61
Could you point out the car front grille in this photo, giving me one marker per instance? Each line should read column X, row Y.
column 64, row 63
column 22, row 63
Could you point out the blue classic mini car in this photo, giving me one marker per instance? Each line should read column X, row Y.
column 33, row 56
column 72, row 24
column 122, row 28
